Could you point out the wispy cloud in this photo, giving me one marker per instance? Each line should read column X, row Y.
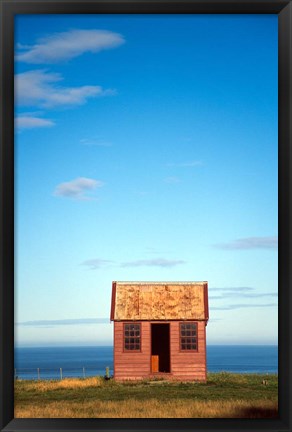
column 250, row 243
column 236, row 289
column 252, row 295
column 67, row 45
column 30, row 122
column 41, row 88
column 78, row 188
column 172, row 180
column 239, row 292
column 242, row 306
column 21, row 46
column 157, row 262
column 242, row 295
column 78, row 321
column 189, row 164
column 95, row 142
column 97, row 263
column 154, row 250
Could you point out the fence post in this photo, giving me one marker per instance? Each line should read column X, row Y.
column 38, row 373
column 84, row 372
column 61, row 373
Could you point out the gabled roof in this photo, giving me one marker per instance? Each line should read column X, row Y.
column 159, row 301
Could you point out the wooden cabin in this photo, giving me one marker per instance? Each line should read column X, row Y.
column 160, row 330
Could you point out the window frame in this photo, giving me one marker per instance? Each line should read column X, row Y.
column 124, row 337
column 180, row 337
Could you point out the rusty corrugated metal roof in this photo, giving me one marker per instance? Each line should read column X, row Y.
column 159, row 301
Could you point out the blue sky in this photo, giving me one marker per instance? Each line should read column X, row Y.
column 146, row 149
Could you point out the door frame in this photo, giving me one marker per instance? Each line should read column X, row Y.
column 150, row 362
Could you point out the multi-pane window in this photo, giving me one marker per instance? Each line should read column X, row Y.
column 188, row 336
column 132, row 337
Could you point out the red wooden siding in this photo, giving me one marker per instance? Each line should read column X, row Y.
column 188, row 365
column 137, row 365
column 131, row 365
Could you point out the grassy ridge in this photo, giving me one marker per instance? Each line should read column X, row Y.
column 224, row 395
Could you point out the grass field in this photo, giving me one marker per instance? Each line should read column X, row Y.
column 224, row 395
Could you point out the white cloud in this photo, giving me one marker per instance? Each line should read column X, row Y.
column 157, row 262
column 250, row 243
column 41, row 88
column 67, row 45
column 78, row 188
column 29, row 122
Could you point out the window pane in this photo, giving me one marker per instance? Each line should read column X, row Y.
column 188, row 336
column 132, row 337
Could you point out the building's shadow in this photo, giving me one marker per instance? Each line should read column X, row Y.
column 258, row 412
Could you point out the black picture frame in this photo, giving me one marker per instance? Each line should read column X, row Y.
column 9, row 8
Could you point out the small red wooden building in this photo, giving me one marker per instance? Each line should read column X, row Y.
column 160, row 330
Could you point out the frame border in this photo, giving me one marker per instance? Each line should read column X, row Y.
column 8, row 8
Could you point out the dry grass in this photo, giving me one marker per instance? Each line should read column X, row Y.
column 151, row 408
column 67, row 383
column 224, row 395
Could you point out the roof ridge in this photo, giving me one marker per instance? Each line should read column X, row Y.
column 160, row 282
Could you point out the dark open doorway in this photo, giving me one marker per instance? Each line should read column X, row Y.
column 160, row 347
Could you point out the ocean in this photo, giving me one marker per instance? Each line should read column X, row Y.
column 57, row 362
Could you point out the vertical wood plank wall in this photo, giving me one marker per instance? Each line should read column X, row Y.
column 137, row 365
